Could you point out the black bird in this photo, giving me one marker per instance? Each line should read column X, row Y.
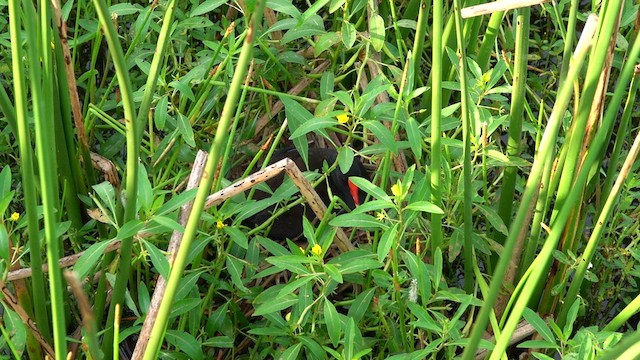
column 289, row 224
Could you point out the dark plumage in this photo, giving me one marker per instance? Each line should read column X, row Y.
column 289, row 224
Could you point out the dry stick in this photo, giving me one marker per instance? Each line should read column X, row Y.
column 11, row 300
column 64, row 262
column 523, row 331
column 262, row 122
column 71, row 77
column 307, row 191
column 172, row 249
column 88, row 319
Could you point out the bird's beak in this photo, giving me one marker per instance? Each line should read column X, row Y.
column 354, row 191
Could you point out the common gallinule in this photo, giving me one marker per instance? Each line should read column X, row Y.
column 289, row 224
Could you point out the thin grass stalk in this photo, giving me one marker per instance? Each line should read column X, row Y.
column 68, row 162
column 131, row 182
column 436, row 119
column 41, row 77
column 159, row 328
column 523, row 215
column 490, row 35
column 620, row 136
column 139, row 36
column 154, row 70
column 507, row 190
column 610, row 116
column 557, row 231
column 466, row 144
column 27, row 168
column 594, row 69
column 568, row 40
column 418, row 41
column 574, row 145
column 9, row 112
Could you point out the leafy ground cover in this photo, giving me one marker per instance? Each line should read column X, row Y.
column 502, row 206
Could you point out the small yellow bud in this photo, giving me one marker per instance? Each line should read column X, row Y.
column 15, row 216
column 220, row 224
column 396, row 189
column 380, row 216
column 288, row 316
column 316, row 249
column 343, row 118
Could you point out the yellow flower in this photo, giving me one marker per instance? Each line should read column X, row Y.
column 15, row 216
column 380, row 216
column 343, row 118
column 220, row 224
column 396, row 189
column 316, row 249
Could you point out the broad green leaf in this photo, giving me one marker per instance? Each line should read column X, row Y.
column 344, row 98
column 425, row 206
column 284, row 7
column 376, row 31
column 361, row 221
column 168, row 222
column 158, row 259
column 15, row 329
column 361, row 304
column 306, row 28
column 123, row 9
column 326, row 41
column 345, row 159
column 183, row 306
column 184, row 88
column 5, row 177
column 297, row 115
column 377, row 86
column 313, row 124
column 334, row 273
column 332, row 322
column 292, row 286
column 4, row 245
column 571, row 318
column 493, row 218
column 143, row 297
column 349, row 336
column 291, row 353
column 237, row 236
column 206, row 7
column 275, row 304
column 235, row 268
column 312, row 346
column 161, row 113
column 541, row 327
column 387, row 240
column 106, row 194
column 382, row 134
column 313, row 10
column 129, row 229
column 223, row 342
column 186, row 342
column 293, row 263
column 176, row 202
column 348, row 34
column 327, row 81
column 414, row 135
column 371, row 189
column 185, row 129
column 335, row 5
column 145, row 191
column 89, row 258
